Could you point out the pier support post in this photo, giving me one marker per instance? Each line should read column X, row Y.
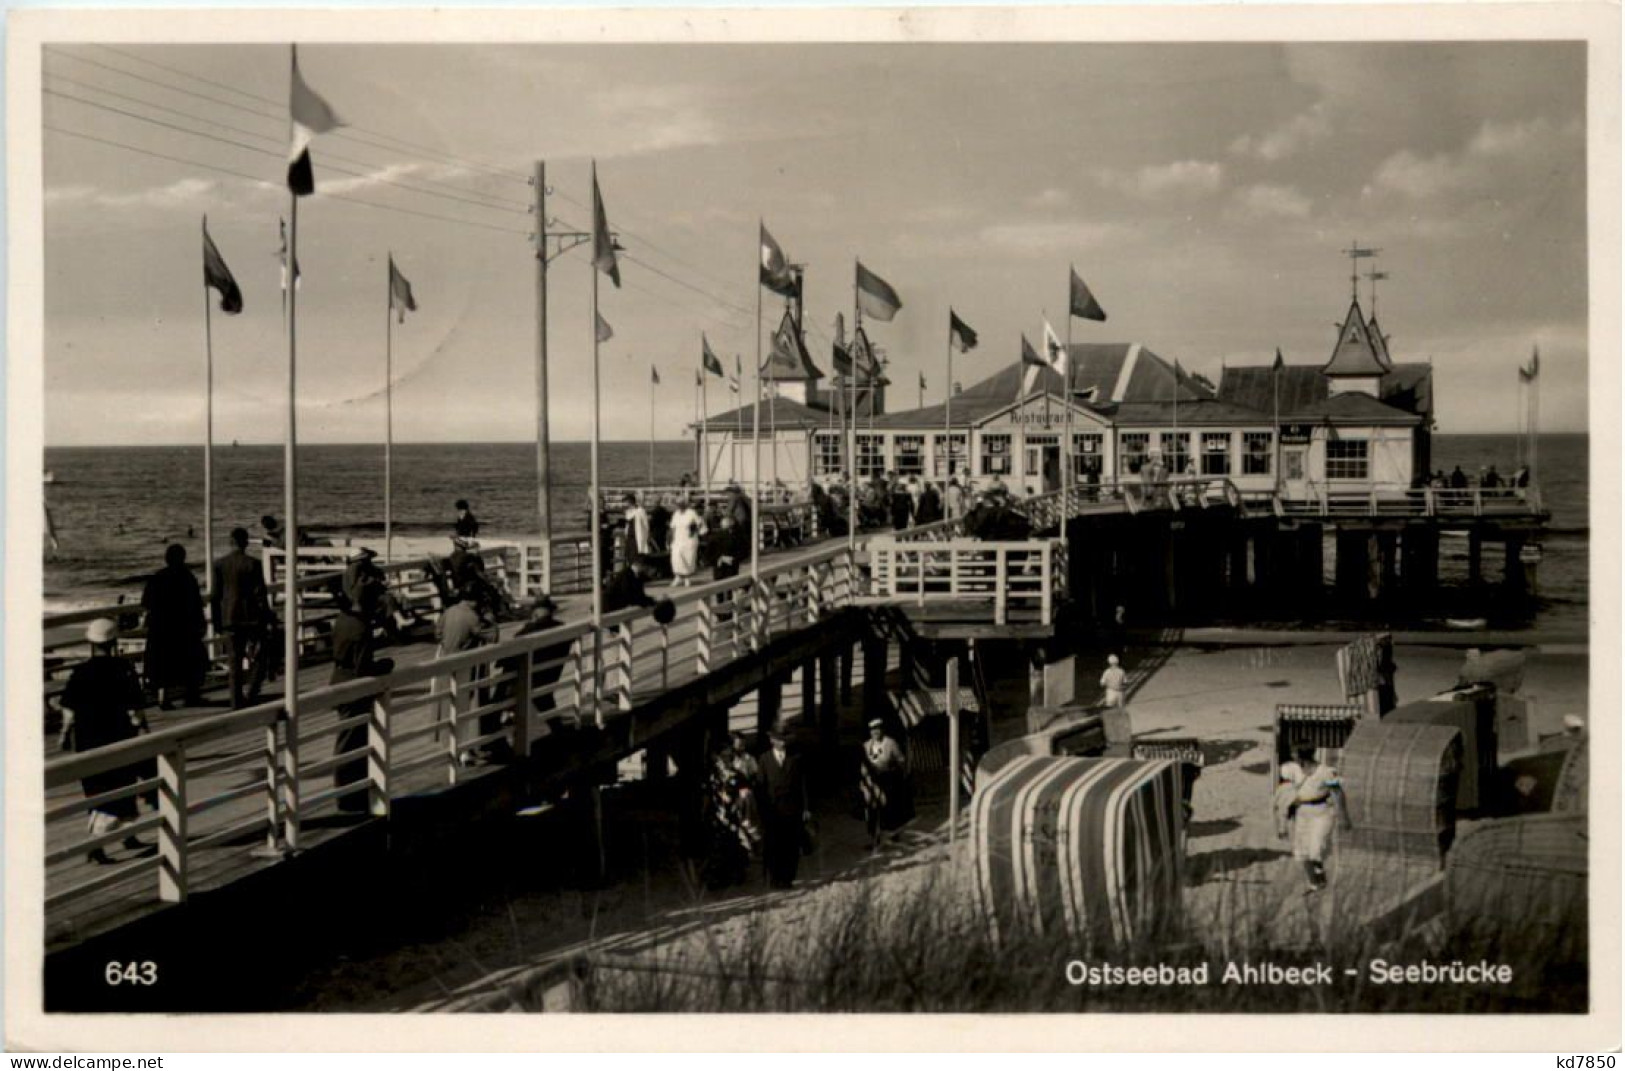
column 847, row 657
column 809, row 692
column 1353, row 564
column 768, row 699
column 905, row 664
column 1475, row 556
column 829, row 709
column 874, row 676
column 1513, row 572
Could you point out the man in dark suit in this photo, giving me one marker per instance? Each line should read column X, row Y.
column 785, row 810
column 240, row 610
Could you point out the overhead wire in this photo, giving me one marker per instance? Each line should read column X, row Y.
column 275, row 185
column 270, row 152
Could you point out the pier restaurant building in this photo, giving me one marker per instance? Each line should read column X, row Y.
column 1357, row 423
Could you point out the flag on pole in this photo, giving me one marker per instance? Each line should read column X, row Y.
column 922, row 380
column 217, row 275
column 1054, row 350
column 603, row 245
column 654, row 375
column 605, row 332
column 282, row 255
column 739, row 374
column 964, row 337
column 311, row 116
column 775, row 271
column 400, row 292
column 1280, row 362
column 699, row 379
column 876, row 296
column 1031, row 366
column 708, row 358
column 1084, row 305
column 1528, row 374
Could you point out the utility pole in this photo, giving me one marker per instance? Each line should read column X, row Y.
column 544, row 461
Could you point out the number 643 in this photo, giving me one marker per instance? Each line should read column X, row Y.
column 133, row 973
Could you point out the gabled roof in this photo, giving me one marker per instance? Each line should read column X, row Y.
column 776, row 412
column 1355, row 408
column 1354, row 354
column 1195, row 413
column 788, row 358
column 1379, row 343
column 1408, row 388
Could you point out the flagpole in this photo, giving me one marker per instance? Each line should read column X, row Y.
column 705, row 453
column 597, row 522
column 208, row 441
column 756, row 459
column 948, row 411
column 1275, row 374
column 1066, row 425
column 852, row 434
column 651, row 426
column 389, row 412
column 290, row 571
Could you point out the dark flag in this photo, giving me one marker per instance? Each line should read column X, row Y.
column 400, row 292
column 654, row 375
column 1280, row 362
column 605, row 332
column 1029, row 356
column 1084, row 305
column 922, row 380
column 964, row 337
column 282, row 255
column 876, row 296
column 1527, row 375
column 311, row 116
column 217, row 275
column 709, row 359
column 775, row 270
column 603, row 246
column 739, row 374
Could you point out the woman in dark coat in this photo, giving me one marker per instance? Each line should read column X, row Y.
column 175, row 657
column 101, row 705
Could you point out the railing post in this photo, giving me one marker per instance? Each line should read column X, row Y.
column 524, row 711
column 172, row 855
column 759, row 625
column 1000, row 578
column 1429, row 506
column 579, row 671
column 378, row 755
column 702, row 640
column 290, row 776
column 1478, row 502
column 815, row 591
column 1371, row 497
column 623, row 693
column 1046, row 562
column 273, row 791
column 665, row 657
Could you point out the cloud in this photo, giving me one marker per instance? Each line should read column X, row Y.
column 1182, row 178
column 1034, row 236
column 1288, row 139
column 1268, row 201
column 1053, row 197
column 181, row 194
column 1498, row 154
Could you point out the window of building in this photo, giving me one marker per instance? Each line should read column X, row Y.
column 1215, row 453
column 1088, row 454
column 1348, row 459
column 827, row 454
column 950, row 446
column 871, row 456
column 1292, row 463
column 909, row 450
column 1133, row 446
column 1176, row 452
column 995, row 455
column 1038, row 447
column 1257, row 451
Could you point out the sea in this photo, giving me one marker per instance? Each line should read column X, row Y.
column 115, row 509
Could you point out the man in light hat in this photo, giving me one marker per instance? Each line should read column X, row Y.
column 101, row 705
column 1114, row 718
column 785, row 809
column 888, row 803
column 241, row 611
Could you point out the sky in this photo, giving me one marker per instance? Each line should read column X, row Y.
column 1206, row 192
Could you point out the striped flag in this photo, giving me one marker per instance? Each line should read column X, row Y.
column 400, row 292
column 311, row 115
column 876, row 296
column 775, row 271
column 282, row 255
column 708, row 358
column 217, row 275
column 1054, row 349
column 603, row 244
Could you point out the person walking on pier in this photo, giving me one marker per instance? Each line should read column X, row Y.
column 175, row 657
column 461, row 628
column 467, row 525
column 953, row 500
column 686, row 530
column 888, row 803
column 639, row 545
column 902, row 505
column 353, row 659
column 928, row 510
column 242, row 612
column 101, row 705
column 785, row 809
column 1115, row 719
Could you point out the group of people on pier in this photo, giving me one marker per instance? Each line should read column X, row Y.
column 756, row 805
column 1487, row 479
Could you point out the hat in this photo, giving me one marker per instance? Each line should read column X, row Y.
column 367, row 552
column 876, row 723
column 101, row 630
column 1111, row 660
column 776, row 733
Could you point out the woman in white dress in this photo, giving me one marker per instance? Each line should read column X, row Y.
column 686, row 530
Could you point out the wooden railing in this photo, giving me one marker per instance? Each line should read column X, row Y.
column 1323, row 501
column 227, row 781
column 1022, row 580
